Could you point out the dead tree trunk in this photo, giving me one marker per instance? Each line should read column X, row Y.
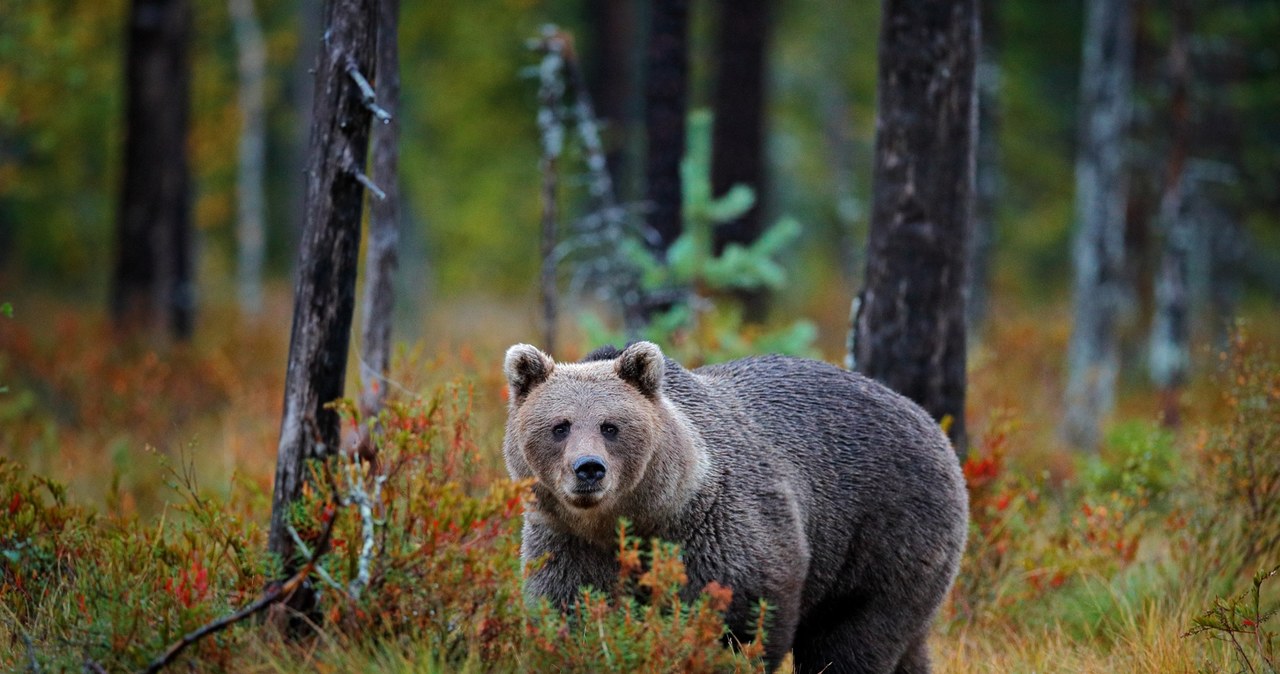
column 250, row 181
column 1098, row 249
column 737, row 141
column 909, row 321
column 152, row 278
column 325, row 294
column 666, row 95
column 384, row 226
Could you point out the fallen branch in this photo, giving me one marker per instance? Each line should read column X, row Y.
column 276, row 591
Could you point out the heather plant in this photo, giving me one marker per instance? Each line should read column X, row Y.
column 1230, row 506
column 1246, row 624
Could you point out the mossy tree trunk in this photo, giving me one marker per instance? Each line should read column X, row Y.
column 908, row 327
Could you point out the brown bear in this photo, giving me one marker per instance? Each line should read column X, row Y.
column 838, row 501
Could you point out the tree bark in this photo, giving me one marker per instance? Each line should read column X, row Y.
column 737, row 137
column 250, row 233
column 384, row 225
column 325, row 293
column 1098, row 247
column 666, row 96
column 152, row 277
column 909, row 322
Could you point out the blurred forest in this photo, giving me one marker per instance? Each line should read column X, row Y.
column 1078, row 561
column 469, row 142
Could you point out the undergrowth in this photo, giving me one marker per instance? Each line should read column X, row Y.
column 1152, row 556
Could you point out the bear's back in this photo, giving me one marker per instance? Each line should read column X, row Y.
column 868, row 467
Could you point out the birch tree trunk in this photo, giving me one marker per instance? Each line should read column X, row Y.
column 1098, row 247
column 384, row 225
column 151, row 282
column 325, row 294
column 251, row 65
column 909, row 321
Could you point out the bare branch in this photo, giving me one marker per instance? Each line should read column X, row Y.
column 276, row 591
column 367, row 97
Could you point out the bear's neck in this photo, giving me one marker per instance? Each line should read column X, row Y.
column 676, row 473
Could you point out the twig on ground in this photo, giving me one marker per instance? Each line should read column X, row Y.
column 276, row 591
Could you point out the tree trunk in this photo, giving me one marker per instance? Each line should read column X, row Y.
column 612, row 77
column 909, row 322
column 1098, row 250
column 384, row 225
column 152, row 278
column 250, row 234
column 1170, row 351
column 325, row 293
column 666, row 94
column 737, row 140
column 988, row 179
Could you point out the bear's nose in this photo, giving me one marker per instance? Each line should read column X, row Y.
column 589, row 469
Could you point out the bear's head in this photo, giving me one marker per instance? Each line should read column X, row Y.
column 599, row 436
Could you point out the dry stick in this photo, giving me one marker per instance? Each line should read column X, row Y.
column 276, row 592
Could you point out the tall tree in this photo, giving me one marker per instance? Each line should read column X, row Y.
column 326, row 280
column 251, row 64
column 908, row 324
column 613, row 76
column 1171, row 323
column 737, row 142
column 666, row 99
column 1098, row 246
column 987, row 176
column 152, row 278
column 384, row 223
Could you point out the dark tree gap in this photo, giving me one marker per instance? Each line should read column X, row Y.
column 908, row 327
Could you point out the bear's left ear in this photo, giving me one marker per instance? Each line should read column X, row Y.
column 642, row 365
column 526, row 366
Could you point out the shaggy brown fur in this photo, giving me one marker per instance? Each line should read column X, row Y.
column 838, row 501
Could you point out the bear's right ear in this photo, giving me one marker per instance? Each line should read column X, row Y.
column 526, row 366
column 642, row 365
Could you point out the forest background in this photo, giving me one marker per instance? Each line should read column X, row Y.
column 116, row 416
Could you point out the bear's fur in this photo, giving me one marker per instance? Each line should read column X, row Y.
column 838, row 501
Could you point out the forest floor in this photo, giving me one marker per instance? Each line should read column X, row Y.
column 135, row 481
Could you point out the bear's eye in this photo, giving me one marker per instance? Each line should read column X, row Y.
column 560, row 431
column 608, row 430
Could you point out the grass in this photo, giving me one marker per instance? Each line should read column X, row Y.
column 135, row 484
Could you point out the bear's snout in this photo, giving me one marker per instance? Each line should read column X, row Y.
column 589, row 470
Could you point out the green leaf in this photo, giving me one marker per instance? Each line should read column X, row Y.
column 6, row 309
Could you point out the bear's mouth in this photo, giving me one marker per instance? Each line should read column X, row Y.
column 585, row 497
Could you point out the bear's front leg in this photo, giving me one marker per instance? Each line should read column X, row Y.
column 557, row 564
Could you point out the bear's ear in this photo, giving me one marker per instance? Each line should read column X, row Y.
column 526, row 366
column 642, row 365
